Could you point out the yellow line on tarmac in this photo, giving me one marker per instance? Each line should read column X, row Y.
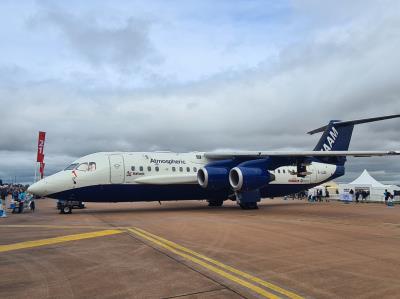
column 216, row 270
column 36, row 243
column 226, row 267
column 53, row 226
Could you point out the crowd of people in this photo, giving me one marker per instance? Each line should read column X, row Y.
column 356, row 196
column 19, row 198
column 318, row 195
column 311, row 195
column 360, row 194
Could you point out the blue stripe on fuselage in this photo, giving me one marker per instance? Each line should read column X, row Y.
column 138, row 192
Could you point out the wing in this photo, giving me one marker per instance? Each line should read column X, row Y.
column 299, row 154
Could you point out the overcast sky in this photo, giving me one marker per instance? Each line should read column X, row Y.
column 195, row 75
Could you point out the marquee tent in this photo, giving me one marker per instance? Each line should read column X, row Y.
column 365, row 182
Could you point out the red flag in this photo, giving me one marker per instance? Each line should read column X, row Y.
column 40, row 150
column 41, row 169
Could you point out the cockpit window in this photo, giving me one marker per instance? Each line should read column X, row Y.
column 72, row 166
column 82, row 167
column 92, row 166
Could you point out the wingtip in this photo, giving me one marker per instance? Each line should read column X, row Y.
column 394, row 153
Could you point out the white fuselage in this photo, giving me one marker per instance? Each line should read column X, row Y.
column 137, row 176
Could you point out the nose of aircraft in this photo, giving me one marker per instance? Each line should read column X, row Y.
column 38, row 188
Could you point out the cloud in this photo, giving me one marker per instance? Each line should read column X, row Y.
column 124, row 44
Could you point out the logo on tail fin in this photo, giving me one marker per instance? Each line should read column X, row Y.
column 330, row 139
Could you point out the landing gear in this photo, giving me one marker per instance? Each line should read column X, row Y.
column 66, row 208
column 249, row 206
column 215, row 202
column 248, row 200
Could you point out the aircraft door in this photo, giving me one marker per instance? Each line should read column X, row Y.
column 117, row 169
column 314, row 174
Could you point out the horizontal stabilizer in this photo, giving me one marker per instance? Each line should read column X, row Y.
column 353, row 122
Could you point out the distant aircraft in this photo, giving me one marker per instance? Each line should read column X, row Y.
column 244, row 176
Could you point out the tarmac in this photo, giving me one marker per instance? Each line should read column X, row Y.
column 285, row 249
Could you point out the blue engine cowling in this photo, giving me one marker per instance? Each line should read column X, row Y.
column 250, row 175
column 215, row 176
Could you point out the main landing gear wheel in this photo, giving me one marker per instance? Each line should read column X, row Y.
column 215, row 203
column 65, row 210
column 249, row 206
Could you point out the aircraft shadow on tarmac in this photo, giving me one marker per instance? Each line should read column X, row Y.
column 192, row 208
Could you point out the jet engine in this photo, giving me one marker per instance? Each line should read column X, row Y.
column 250, row 175
column 213, row 177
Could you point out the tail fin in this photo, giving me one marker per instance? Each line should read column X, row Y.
column 337, row 135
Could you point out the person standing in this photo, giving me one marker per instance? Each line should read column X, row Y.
column 21, row 199
column 351, row 192
column 15, row 194
column 386, row 194
column 32, row 204
column 363, row 195
column 3, row 195
column 357, row 195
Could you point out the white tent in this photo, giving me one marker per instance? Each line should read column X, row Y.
column 366, row 179
column 367, row 183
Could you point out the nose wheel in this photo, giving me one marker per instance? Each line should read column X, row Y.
column 65, row 208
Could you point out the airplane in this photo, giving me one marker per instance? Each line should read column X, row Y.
column 243, row 176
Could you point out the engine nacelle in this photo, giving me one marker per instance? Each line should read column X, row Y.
column 244, row 178
column 214, row 178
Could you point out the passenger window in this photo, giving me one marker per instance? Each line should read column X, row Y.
column 157, row 168
column 92, row 166
column 82, row 167
column 173, row 169
column 188, row 169
column 194, row 169
column 148, row 168
column 133, row 168
column 180, row 169
column 141, row 168
column 283, row 170
column 279, row 171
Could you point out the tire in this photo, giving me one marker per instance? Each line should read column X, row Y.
column 249, row 206
column 66, row 209
column 215, row 203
